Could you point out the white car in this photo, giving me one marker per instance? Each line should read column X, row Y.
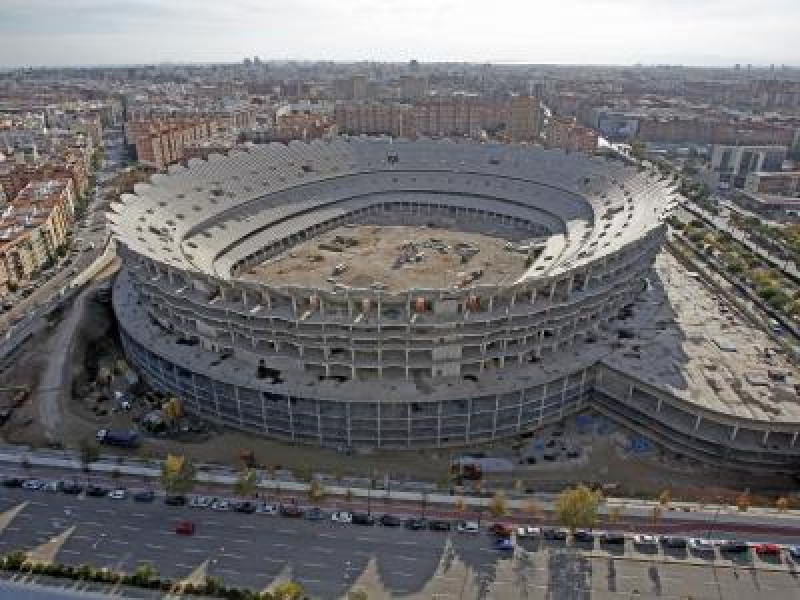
column 528, row 531
column 264, row 508
column 33, row 484
column 118, row 494
column 342, row 516
column 221, row 504
column 200, row 502
column 701, row 545
column 645, row 539
column 468, row 527
column 52, row 486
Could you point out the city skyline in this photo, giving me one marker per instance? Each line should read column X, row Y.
column 114, row 32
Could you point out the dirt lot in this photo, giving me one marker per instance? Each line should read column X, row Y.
column 432, row 259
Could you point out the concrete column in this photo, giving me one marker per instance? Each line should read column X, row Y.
column 552, row 289
column 734, row 432
column 794, row 439
column 765, row 438
column 630, row 391
column 658, row 406
column 570, row 285
column 697, row 421
column 533, row 296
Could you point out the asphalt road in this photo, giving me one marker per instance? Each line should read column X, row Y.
column 328, row 559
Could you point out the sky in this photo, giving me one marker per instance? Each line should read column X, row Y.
column 689, row 32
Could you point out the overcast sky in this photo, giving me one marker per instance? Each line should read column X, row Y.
column 698, row 32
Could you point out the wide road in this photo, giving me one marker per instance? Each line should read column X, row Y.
column 330, row 559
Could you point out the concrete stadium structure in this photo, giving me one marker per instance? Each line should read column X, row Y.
column 340, row 365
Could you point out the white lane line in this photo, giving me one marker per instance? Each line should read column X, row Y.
column 326, row 535
column 412, row 575
column 231, row 571
column 37, row 503
column 204, row 537
column 122, row 542
column 96, row 524
column 407, row 557
column 364, row 539
column 408, row 543
column 130, row 528
column 274, row 560
column 68, row 551
column 288, row 531
column 323, row 550
column 108, row 556
column 104, row 511
column 139, row 515
column 194, row 550
column 154, row 546
column 313, row 565
column 210, row 522
column 232, row 555
column 247, row 526
column 279, row 545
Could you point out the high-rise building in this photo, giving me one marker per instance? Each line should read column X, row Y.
column 525, row 122
column 413, row 86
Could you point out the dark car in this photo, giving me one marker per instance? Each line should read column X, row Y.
column 390, row 521
column 291, row 510
column 363, row 519
column 734, row 547
column 175, row 500
column 316, row 514
column 501, row 529
column 245, row 507
column 549, row 533
column 71, row 488
column 675, row 541
column 616, row 539
column 144, row 496
column 13, row 482
column 416, row 524
column 439, row 525
column 581, row 535
column 97, row 491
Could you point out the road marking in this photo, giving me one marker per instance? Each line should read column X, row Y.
column 408, row 543
column 281, row 545
column 130, row 528
column 241, row 541
column 287, row 531
column 154, row 546
column 312, row 565
column 274, row 560
column 210, row 523
column 139, row 515
column 407, row 557
column 247, row 526
column 364, row 539
column 108, row 556
column 326, row 535
column 231, row 571
column 194, row 550
column 123, row 542
column 37, row 503
column 323, row 550
column 232, row 555
column 204, row 537
column 67, row 551
column 412, row 575
column 104, row 511
column 96, row 524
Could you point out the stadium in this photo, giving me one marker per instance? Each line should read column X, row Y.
column 381, row 293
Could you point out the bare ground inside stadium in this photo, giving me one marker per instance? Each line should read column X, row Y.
column 398, row 257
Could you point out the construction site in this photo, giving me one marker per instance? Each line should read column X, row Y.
column 396, row 258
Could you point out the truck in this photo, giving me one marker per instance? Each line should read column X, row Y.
column 126, row 439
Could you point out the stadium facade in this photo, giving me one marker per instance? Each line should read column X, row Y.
column 366, row 366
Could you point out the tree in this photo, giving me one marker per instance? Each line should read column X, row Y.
column 290, row 590
column 145, row 573
column 178, row 474
column 460, row 505
column 88, row 452
column 656, row 515
column 246, row 483
column 316, row 491
column 743, row 501
column 664, row 498
column 531, row 507
column 614, row 514
column 357, row 595
column 498, row 505
column 577, row 507
column 782, row 504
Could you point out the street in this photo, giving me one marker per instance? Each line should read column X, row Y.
column 329, row 559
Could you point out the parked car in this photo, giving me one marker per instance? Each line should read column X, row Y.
column 264, row 508
column 363, row 519
column 794, row 552
column 200, row 501
column 184, row 528
column 175, row 500
column 501, row 530
column 734, row 547
column 701, row 545
column 551, row 533
column 13, row 482
column 674, row 541
column 582, row 535
column 439, row 525
column 645, row 539
column 291, row 511
column 767, row 549
column 342, row 516
column 52, row 486
column 316, row 514
column 468, row 527
column 244, row 507
column 527, row 531
column 97, row 491
column 388, row 520
column 504, row 544
column 118, row 494
column 144, row 496
column 71, row 488
column 416, row 524
column 613, row 538
column 220, row 504
column 32, row 484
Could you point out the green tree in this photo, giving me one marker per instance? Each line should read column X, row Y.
column 316, row 491
column 357, row 595
column 88, row 452
column 290, row 590
column 178, row 474
column 577, row 507
column 145, row 573
column 246, row 483
column 498, row 505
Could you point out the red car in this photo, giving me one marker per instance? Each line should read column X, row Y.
column 184, row 528
column 768, row 549
column 501, row 530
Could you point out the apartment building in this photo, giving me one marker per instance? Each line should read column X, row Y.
column 784, row 183
column 161, row 142
column 14, row 176
column 526, row 118
column 32, row 229
column 567, row 134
